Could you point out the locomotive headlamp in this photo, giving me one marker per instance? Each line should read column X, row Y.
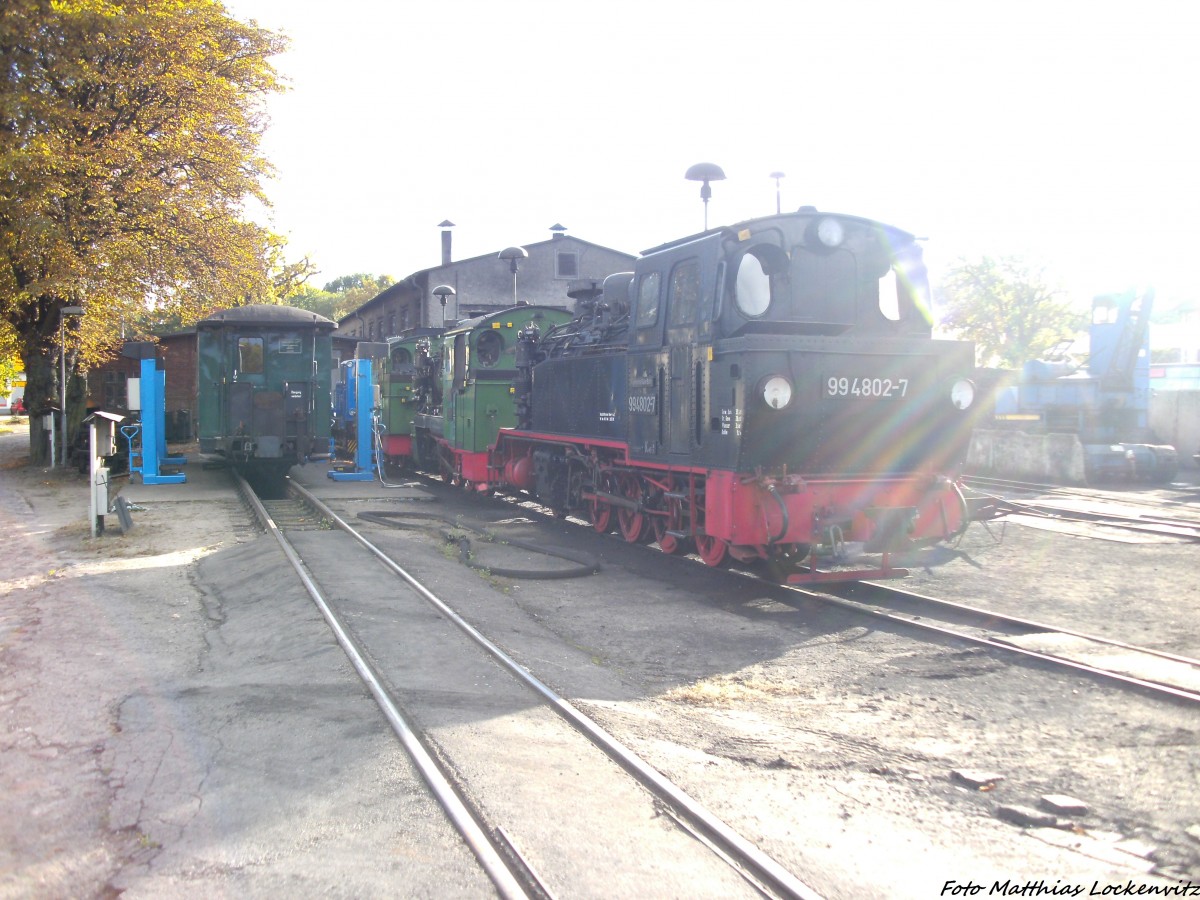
column 776, row 391
column 962, row 394
column 830, row 233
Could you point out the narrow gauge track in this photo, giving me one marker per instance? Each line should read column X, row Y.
column 1132, row 510
column 1150, row 525
column 1151, row 671
column 1165, row 528
column 490, row 842
column 1148, row 670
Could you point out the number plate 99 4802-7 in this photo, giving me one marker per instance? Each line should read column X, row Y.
column 866, row 387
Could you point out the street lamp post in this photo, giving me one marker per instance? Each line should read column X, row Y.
column 62, row 382
column 778, row 201
column 442, row 291
column 705, row 172
column 513, row 255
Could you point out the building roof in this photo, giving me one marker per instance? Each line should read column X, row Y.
column 409, row 282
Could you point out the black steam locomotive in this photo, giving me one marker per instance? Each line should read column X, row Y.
column 766, row 391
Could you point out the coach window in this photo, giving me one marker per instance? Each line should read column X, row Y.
column 685, row 293
column 250, row 355
column 648, row 292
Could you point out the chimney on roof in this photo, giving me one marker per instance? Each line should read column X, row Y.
column 446, row 226
column 557, row 230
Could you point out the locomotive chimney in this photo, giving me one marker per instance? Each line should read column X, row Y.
column 557, row 231
column 446, row 226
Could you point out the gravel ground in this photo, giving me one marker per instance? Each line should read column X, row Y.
column 869, row 760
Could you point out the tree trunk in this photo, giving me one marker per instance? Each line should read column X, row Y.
column 41, row 399
column 41, row 389
column 38, row 334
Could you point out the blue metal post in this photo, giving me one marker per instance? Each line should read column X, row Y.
column 364, row 401
column 152, row 391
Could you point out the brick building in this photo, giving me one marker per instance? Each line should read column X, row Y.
column 108, row 383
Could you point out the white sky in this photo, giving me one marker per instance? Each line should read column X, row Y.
column 1063, row 131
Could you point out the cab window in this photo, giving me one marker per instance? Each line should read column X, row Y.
column 459, row 361
column 647, row 299
column 752, row 292
column 685, row 292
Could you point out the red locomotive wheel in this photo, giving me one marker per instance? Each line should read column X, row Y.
column 672, row 521
column 601, row 510
column 713, row 550
column 632, row 522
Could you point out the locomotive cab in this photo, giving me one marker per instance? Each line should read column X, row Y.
column 407, row 379
column 478, row 366
column 798, row 343
column 824, row 275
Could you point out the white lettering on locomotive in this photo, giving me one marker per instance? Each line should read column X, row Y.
column 643, row 404
column 883, row 388
column 731, row 420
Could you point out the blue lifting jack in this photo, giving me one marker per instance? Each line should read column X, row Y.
column 360, row 398
column 150, row 453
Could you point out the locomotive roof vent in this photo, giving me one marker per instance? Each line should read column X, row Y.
column 584, row 289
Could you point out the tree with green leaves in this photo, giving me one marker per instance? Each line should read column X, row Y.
column 10, row 363
column 129, row 135
column 340, row 296
column 1008, row 309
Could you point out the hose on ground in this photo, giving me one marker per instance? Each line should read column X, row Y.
column 452, row 530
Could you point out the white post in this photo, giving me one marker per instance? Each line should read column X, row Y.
column 62, row 391
column 62, row 383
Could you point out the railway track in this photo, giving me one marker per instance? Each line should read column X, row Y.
column 1177, row 516
column 1151, row 671
column 526, row 850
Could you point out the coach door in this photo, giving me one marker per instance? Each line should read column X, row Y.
column 249, row 368
column 646, row 371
